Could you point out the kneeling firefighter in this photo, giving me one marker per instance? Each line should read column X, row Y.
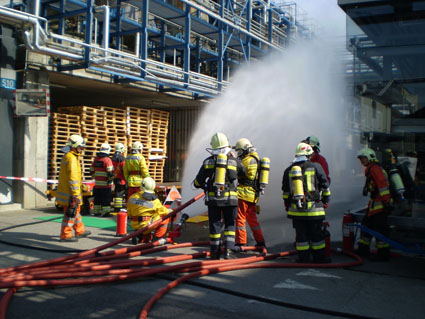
column 305, row 193
column 218, row 176
column 144, row 208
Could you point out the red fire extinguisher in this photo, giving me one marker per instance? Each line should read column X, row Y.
column 121, row 224
column 327, row 239
column 348, row 232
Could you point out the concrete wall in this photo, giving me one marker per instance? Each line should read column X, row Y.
column 31, row 149
column 7, row 65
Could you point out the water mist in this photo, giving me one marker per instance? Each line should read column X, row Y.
column 276, row 103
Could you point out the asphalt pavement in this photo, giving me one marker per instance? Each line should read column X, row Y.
column 393, row 289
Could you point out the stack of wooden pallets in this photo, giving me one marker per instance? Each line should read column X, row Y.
column 109, row 125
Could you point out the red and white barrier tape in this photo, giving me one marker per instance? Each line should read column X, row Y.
column 36, row 179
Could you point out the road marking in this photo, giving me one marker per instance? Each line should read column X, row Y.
column 292, row 284
column 316, row 273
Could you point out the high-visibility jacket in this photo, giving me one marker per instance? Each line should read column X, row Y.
column 102, row 171
column 317, row 158
column 229, row 195
column 135, row 169
column 378, row 187
column 316, row 188
column 144, row 208
column 70, row 179
column 118, row 160
column 246, row 190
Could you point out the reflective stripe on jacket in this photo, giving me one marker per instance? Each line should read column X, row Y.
column 145, row 205
column 246, row 190
column 70, row 179
column 135, row 169
column 102, row 171
column 379, row 188
column 315, row 184
column 228, row 196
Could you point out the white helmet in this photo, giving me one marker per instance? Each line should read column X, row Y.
column 137, row 146
column 120, row 147
column 75, row 141
column 105, row 148
column 304, row 149
column 148, row 185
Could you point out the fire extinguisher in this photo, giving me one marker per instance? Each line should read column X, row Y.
column 121, row 224
column 348, row 232
column 327, row 239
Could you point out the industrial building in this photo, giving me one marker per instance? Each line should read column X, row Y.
column 116, row 70
column 387, row 41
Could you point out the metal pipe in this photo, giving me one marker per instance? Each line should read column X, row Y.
column 219, row 18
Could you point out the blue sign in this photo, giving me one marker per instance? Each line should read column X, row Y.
column 9, row 84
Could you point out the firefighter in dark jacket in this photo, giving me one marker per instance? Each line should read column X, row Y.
column 102, row 171
column 218, row 176
column 306, row 193
column 378, row 208
column 118, row 160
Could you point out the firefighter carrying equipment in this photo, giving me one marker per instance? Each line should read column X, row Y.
column 389, row 162
column 75, row 141
column 313, row 141
column 368, row 153
column 378, row 187
column 120, row 147
column 303, row 149
column 148, row 185
column 105, row 148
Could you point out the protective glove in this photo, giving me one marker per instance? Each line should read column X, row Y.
column 286, row 205
column 325, row 205
column 325, row 201
column 74, row 203
column 84, row 188
column 365, row 191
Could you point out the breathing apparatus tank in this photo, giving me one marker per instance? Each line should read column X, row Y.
column 220, row 173
column 264, row 173
column 296, row 176
column 396, row 182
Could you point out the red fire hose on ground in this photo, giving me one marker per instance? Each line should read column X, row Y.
column 93, row 266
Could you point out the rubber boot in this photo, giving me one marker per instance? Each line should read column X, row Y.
column 303, row 256
column 229, row 254
column 319, row 257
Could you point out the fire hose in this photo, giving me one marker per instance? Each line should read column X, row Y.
column 94, row 267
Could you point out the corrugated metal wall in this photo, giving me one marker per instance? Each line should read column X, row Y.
column 181, row 126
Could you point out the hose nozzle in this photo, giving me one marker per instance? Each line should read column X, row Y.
column 182, row 220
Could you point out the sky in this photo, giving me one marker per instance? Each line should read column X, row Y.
column 326, row 13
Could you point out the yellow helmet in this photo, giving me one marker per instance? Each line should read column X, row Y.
column 314, row 142
column 369, row 153
column 120, row 147
column 242, row 146
column 148, row 185
column 219, row 140
column 138, row 146
column 105, row 148
column 303, row 149
column 76, row 140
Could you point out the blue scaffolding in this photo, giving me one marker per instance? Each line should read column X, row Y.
column 189, row 47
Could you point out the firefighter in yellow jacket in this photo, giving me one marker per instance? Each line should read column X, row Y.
column 69, row 190
column 248, row 194
column 144, row 208
column 135, row 169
